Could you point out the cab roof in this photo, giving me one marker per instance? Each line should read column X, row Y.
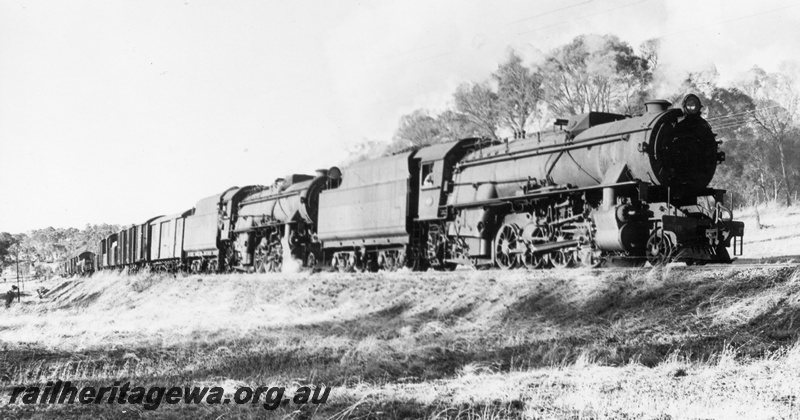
column 440, row 151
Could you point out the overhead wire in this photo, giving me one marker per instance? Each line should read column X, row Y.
column 732, row 20
column 736, row 120
column 549, row 12
column 584, row 17
column 751, row 111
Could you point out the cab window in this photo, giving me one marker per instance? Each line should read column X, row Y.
column 426, row 179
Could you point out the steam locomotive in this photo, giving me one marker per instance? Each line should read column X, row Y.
column 599, row 189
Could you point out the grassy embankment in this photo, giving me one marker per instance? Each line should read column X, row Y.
column 643, row 343
column 666, row 343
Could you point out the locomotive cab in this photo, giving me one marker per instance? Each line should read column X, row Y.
column 436, row 176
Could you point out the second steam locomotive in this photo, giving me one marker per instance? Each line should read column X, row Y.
column 600, row 188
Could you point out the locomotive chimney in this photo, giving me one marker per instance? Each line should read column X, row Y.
column 656, row 106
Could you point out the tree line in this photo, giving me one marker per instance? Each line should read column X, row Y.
column 591, row 73
column 756, row 116
column 41, row 247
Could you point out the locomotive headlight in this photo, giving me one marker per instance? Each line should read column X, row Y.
column 692, row 105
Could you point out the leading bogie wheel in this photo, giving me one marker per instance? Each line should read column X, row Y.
column 659, row 248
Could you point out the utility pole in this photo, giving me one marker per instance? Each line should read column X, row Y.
column 18, row 289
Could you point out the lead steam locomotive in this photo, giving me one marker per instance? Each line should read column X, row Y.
column 600, row 188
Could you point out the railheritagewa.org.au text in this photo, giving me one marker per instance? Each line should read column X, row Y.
column 151, row 398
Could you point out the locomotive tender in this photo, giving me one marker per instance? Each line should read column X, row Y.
column 600, row 188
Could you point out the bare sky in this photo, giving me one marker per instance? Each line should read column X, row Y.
column 117, row 111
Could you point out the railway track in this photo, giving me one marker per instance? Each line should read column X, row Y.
column 738, row 266
column 773, row 262
column 740, row 263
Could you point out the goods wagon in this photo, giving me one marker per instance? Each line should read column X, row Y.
column 166, row 241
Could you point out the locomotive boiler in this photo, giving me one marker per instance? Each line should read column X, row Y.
column 284, row 215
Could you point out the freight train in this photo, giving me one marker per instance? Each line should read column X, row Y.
column 600, row 188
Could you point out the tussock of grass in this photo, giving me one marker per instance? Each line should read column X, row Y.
column 467, row 345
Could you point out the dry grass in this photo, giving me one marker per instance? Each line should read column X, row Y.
column 779, row 236
column 660, row 343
